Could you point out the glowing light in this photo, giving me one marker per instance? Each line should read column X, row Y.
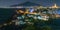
column 26, row 20
column 39, row 17
column 31, row 10
column 35, row 17
column 10, row 23
column 29, row 23
column 19, row 22
column 21, row 11
column 27, row 11
column 55, row 6
column 45, row 18
column 22, row 16
column 19, row 17
column 16, row 23
column 33, row 13
column 5, row 24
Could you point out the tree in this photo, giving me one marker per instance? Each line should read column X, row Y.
column 30, row 27
column 46, row 28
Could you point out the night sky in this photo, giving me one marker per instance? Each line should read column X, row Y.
column 6, row 3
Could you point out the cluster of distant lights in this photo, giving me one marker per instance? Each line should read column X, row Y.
column 5, row 24
column 16, row 23
column 31, row 10
column 13, row 21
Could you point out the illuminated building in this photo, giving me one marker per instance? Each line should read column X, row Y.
column 54, row 6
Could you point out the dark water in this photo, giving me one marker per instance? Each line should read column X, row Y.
column 56, row 24
column 5, row 14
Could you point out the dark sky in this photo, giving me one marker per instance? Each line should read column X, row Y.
column 4, row 3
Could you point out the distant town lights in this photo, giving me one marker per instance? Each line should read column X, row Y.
column 55, row 6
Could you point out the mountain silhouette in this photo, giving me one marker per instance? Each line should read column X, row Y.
column 26, row 4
